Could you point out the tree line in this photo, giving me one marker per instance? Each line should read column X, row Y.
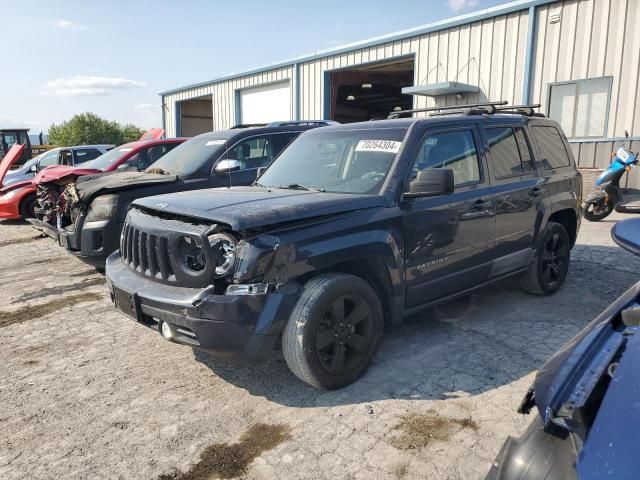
column 90, row 129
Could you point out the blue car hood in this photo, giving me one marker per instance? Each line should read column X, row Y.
column 566, row 381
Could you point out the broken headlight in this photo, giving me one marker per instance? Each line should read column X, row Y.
column 102, row 208
column 223, row 247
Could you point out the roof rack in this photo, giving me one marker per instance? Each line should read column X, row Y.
column 527, row 110
column 397, row 113
column 292, row 123
column 248, row 125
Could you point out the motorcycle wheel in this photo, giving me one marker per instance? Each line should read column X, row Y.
column 594, row 212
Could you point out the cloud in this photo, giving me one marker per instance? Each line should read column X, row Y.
column 457, row 5
column 12, row 122
column 68, row 24
column 81, row 85
column 146, row 107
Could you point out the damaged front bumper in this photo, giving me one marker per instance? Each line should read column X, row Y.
column 89, row 241
column 239, row 327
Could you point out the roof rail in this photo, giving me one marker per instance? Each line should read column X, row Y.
column 397, row 113
column 292, row 123
column 248, row 125
column 527, row 110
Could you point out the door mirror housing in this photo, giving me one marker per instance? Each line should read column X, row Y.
column 224, row 167
column 431, row 183
column 260, row 171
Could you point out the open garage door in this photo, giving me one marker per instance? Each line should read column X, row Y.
column 368, row 92
column 196, row 116
column 266, row 104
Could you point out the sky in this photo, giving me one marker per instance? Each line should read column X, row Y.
column 113, row 58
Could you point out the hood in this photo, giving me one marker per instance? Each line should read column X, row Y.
column 89, row 186
column 244, row 208
column 57, row 172
column 152, row 134
column 9, row 159
column 15, row 186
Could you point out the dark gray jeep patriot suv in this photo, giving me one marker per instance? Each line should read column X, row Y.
column 352, row 228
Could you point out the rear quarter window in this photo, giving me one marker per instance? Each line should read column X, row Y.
column 553, row 153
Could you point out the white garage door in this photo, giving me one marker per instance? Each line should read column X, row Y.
column 266, row 104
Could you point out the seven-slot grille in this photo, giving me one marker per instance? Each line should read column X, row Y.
column 146, row 253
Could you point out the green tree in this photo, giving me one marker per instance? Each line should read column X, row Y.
column 88, row 128
column 131, row 133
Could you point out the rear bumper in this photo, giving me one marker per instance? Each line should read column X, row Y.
column 242, row 328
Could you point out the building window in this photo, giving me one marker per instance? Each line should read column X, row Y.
column 581, row 106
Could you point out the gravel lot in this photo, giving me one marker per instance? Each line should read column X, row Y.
column 87, row 393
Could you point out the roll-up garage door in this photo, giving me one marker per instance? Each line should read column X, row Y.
column 266, row 104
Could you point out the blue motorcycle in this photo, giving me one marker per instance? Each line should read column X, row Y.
column 601, row 203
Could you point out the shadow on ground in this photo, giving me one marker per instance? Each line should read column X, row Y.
column 480, row 342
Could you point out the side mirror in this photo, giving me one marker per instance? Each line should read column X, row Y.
column 431, row 183
column 626, row 134
column 224, row 167
column 260, row 171
column 34, row 168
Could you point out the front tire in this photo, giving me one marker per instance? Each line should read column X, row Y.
column 28, row 206
column 594, row 212
column 549, row 267
column 334, row 331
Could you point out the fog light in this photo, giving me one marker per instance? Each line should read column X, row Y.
column 166, row 331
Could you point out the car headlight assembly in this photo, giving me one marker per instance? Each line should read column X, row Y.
column 223, row 247
column 103, row 207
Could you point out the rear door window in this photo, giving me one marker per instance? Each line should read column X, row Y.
column 510, row 153
column 282, row 141
column 552, row 149
column 85, row 154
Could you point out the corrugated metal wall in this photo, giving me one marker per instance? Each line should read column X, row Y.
column 489, row 54
column 223, row 97
column 594, row 38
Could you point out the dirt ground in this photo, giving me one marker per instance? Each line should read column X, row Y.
column 87, row 393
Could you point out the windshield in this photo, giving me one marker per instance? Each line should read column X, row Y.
column 105, row 160
column 344, row 161
column 189, row 156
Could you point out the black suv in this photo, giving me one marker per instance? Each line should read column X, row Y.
column 96, row 206
column 352, row 228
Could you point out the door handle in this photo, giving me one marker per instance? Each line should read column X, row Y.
column 536, row 192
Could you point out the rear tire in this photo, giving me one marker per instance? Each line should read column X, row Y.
column 549, row 267
column 334, row 331
column 28, row 206
column 595, row 212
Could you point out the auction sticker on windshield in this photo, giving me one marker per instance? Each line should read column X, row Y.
column 214, row 142
column 388, row 146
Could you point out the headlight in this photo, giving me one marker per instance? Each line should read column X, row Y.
column 223, row 247
column 103, row 207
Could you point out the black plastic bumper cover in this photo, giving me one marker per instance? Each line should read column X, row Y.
column 234, row 327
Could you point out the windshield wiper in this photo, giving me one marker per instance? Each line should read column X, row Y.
column 297, row 186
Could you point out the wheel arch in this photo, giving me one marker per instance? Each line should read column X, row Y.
column 568, row 218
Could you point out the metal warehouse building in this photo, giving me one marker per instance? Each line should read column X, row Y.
column 580, row 59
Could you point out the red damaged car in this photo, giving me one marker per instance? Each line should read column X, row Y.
column 20, row 199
